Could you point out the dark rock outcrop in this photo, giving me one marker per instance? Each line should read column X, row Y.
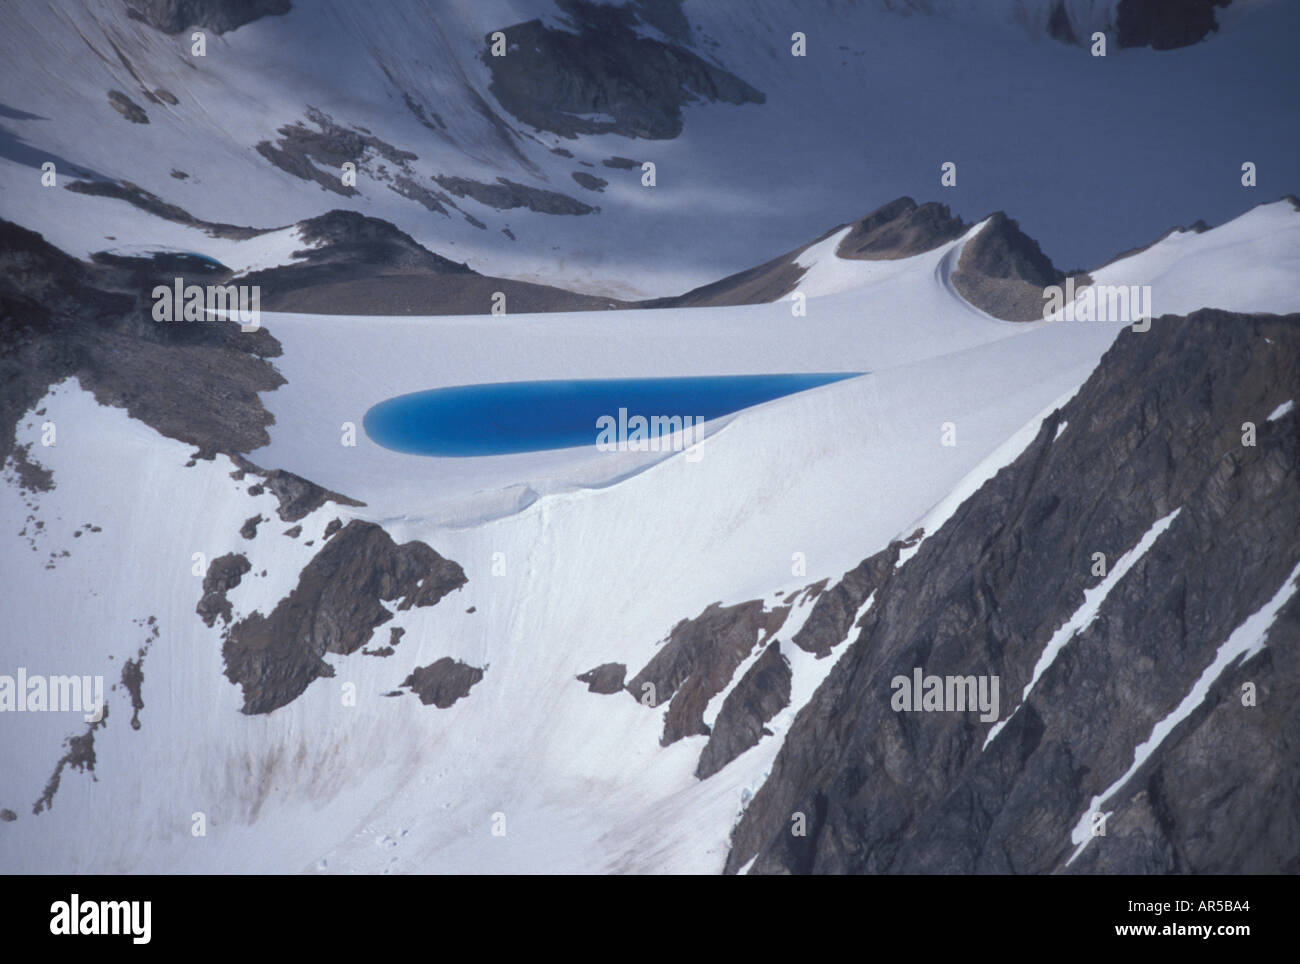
column 900, row 229
column 621, row 163
column 1157, row 428
column 1003, row 271
column 1165, row 24
column 443, row 682
column 354, row 264
column 349, row 237
column 761, row 693
column 133, row 681
column 224, row 573
column 147, row 201
column 319, row 155
column 350, row 264
column 298, row 497
column 340, row 245
column 506, row 194
column 602, row 77
column 334, row 609
column 590, row 181
column 128, row 108
column 80, row 756
column 831, row 619
column 30, row 474
column 394, row 637
column 698, row 660
column 1002, row 250
column 1058, row 24
column 413, row 190
column 1159, row 24
column 764, row 283
column 606, row 678
column 197, row 382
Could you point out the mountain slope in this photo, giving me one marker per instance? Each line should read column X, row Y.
column 321, row 655
column 255, row 133
column 447, row 715
column 889, row 791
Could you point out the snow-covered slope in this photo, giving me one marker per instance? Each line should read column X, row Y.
column 1185, row 268
column 573, row 559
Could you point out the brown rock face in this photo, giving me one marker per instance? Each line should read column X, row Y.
column 1158, row 427
column 128, row 108
column 443, row 682
column 761, row 693
column 605, row 679
column 900, row 229
column 198, row 383
column 334, row 609
column 831, row 619
column 1003, row 271
column 224, row 573
column 1166, row 24
column 604, row 66
column 353, row 264
column 297, row 496
column 699, row 659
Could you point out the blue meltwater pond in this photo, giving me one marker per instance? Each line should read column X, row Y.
column 510, row 417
